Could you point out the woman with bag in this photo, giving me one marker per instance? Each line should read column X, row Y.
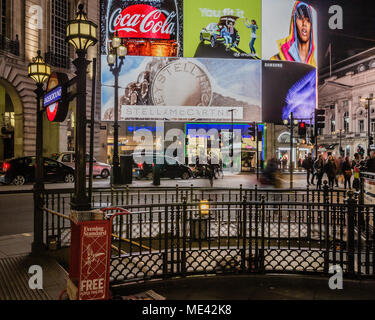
column 347, row 171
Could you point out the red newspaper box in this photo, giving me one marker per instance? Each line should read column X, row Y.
column 89, row 260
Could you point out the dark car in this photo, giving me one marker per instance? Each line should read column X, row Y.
column 22, row 170
column 169, row 168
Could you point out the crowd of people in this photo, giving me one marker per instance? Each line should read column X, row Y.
column 337, row 169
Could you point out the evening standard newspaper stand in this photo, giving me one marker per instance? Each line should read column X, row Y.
column 89, row 256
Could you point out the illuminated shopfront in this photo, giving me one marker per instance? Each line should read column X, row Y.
column 201, row 141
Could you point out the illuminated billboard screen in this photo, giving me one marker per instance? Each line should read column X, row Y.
column 197, row 60
column 184, row 89
column 222, row 29
column 288, row 87
column 289, row 31
column 148, row 28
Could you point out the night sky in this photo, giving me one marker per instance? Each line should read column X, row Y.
column 358, row 33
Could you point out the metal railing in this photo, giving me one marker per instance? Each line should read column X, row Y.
column 258, row 236
column 246, row 230
column 12, row 46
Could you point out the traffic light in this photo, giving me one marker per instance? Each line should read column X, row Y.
column 371, row 140
column 251, row 130
column 260, row 135
column 361, row 151
column 302, row 129
column 319, row 118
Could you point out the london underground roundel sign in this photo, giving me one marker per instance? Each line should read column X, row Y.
column 55, row 100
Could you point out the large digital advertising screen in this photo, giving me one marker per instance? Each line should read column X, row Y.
column 288, row 87
column 184, row 89
column 148, row 28
column 197, row 60
column 222, row 29
column 289, row 31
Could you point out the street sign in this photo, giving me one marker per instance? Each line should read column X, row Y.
column 52, row 96
column 55, row 101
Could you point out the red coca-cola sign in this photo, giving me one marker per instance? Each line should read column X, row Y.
column 143, row 21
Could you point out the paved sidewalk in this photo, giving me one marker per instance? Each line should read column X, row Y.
column 15, row 261
column 252, row 287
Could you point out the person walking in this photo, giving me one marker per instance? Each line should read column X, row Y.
column 319, row 169
column 211, row 170
column 347, row 171
column 308, row 165
column 330, row 169
column 370, row 163
column 339, row 162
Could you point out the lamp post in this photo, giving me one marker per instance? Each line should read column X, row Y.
column 368, row 123
column 340, row 146
column 232, row 139
column 81, row 33
column 291, row 124
column 39, row 72
column 117, row 51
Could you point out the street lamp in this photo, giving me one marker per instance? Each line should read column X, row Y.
column 81, row 34
column 39, row 71
column 291, row 123
column 116, row 52
column 232, row 139
column 368, row 122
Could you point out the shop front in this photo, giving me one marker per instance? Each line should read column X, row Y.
column 215, row 139
column 198, row 139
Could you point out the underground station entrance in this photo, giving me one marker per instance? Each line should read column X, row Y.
column 155, row 242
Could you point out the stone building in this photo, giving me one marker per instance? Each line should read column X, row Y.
column 27, row 26
column 346, row 115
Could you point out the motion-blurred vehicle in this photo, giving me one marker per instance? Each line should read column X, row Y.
column 19, row 171
column 99, row 168
column 168, row 168
column 211, row 33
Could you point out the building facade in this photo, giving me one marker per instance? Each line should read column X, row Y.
column 341, row 95
column 26, row 27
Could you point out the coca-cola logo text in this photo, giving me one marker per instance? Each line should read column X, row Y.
column 142, row 21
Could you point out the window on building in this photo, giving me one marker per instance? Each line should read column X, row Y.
column 333, row 124
column 346, row 121
column 372, row 125
column 3, row 13
column 361, row 126
column 345, row 103
column 59, row 49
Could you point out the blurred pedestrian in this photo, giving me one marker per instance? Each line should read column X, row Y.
column 330, row 169
column 319, row 169
column 347, row 171
column 370, row 162
column 339, row 161
column 308, row 165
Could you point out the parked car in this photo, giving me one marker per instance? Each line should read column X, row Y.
column 169, row 168
column 22, row 170
column 211, row 33
column 99, row 168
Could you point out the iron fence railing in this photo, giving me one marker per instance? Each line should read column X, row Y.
column 247, row 231
column 12, row 46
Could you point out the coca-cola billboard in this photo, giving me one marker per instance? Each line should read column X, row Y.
column 150, row 28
